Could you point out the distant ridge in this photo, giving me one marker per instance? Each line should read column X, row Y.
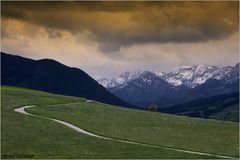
column 52, row 76
column 189, row 76
column 222, row 107
column 143, row 88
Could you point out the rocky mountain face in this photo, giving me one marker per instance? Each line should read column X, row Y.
column 193, row 76
column 182, row 84
column 233, row 75
column 124, row 78
column 189, row 76
column 146, row 88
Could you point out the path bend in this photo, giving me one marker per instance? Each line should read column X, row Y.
column 82, row 131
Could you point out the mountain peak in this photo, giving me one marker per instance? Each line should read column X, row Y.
column 123, row 78
column 189, row 76
column 200, row 69
column 181, row 68
column 237, row 65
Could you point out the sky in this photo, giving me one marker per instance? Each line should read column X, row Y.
column 106, row 38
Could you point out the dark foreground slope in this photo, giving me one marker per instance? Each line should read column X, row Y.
column 222, row 107
column 52, row 76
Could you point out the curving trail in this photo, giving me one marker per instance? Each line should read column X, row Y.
column 79, row 130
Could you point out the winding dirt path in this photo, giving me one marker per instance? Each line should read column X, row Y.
column 79, row 130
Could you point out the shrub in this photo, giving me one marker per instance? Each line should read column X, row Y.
column 152, row 107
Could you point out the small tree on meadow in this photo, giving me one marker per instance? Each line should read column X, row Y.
column 152, row 107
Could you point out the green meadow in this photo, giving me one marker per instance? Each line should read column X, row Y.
column 24, row 136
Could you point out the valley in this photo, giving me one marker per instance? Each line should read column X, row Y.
column 177, row 88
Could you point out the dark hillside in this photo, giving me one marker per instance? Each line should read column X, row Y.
column 52, row 76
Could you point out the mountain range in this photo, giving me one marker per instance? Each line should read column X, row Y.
column 190, row 76
column 183, row 84
column 52, row 76
column 201, row 91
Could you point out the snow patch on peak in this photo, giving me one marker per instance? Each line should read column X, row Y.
column 190, row 76
column 175, row 82
column 159, row 74
column 182, row 68
column 103, row 81
column 202, row 68
column 186, row 67
column 186, row 74
column 122, row 80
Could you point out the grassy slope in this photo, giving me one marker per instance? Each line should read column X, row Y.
column 154, row 128
column 220, row 107
column 230, row 113
column 23, row 134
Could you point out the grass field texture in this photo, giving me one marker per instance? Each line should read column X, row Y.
column 42, row 138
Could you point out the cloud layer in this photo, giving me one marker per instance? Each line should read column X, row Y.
column 105, row 38
column 117, row 24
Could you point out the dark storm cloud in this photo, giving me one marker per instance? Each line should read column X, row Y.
column 117, row 24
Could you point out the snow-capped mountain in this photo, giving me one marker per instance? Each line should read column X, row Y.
column 182, row 84
column 192, row 76
column 189, row 76
column 145, row 89
column 233, row 75
column 149, row 79
column 124, row 78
